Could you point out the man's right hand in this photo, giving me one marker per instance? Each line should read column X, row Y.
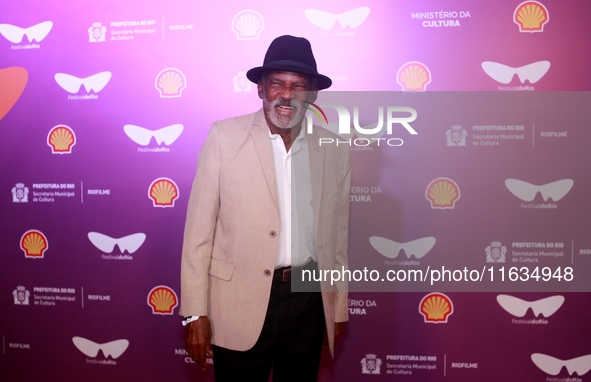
column 198, row 340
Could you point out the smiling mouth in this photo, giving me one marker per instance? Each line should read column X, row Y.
column 284, row 109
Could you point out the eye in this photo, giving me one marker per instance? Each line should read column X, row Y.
column 302, row 86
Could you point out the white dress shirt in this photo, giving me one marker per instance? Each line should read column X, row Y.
column 297, row 238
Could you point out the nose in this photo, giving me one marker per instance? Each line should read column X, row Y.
column 286, row 93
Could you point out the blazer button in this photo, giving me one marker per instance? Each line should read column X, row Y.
column 272, row 233
column 267, row 272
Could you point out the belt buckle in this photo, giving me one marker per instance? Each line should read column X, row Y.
column 286, row 275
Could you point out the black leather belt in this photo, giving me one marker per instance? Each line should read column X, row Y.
column 283, row 274
column 286, row 274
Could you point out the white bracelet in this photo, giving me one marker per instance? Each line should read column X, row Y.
column 190, row 319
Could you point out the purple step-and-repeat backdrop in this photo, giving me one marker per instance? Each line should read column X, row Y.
column 104, row 107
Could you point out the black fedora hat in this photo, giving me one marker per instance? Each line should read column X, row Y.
column 291, row 54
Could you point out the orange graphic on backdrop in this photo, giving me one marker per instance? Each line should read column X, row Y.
column 162, row 299
column 436, row 307
column 34, row 244
column 531, row 16
column 12, row 83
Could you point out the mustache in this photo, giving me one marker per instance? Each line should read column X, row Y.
column 297, row 105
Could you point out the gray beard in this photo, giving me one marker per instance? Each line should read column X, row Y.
column 284, row 122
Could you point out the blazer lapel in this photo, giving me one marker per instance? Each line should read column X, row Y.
column 262, row 143
column 316, row 174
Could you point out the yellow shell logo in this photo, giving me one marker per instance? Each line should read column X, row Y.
column 61, row 138
column 34, row 244
column 413, row 76
column 442, row 193
column 162, row 300
column 170, row 82
column 248, row 25
column 531, row 16
column 436, row 307
column 163, row 192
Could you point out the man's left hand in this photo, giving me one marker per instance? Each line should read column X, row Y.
column 339, row 330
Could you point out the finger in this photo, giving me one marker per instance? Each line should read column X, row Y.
column 202, row 346
column 192, row 345
column 339, row 331
column 194, row 354
column 202, row 360
column 191, row 350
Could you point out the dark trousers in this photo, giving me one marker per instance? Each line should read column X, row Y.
column 289, row 344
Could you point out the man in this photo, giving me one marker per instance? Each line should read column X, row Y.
column 244, row 243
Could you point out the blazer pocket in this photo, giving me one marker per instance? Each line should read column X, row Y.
column 221, row 269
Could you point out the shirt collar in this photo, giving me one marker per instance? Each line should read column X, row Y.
column 295, row 144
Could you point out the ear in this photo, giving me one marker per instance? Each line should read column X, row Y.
column 260, row 89
column 312, row 95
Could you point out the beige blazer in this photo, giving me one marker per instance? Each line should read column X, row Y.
column 232, row 229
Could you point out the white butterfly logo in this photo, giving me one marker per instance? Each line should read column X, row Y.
column 143, row 136
column 326, row 20
column 106, row 244
column 72, row 84
column 550, row 365
column 113, row 349
column 390, row 248
column 518, row 307
column 15, row 34
column 504, row 74
column 527, row 191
